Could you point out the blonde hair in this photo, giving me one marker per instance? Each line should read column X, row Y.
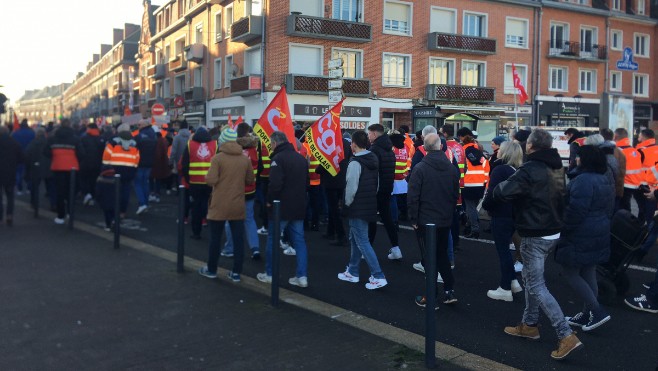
column 511, row 153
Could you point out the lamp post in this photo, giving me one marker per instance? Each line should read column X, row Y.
column 577, row 99
column 558, row 98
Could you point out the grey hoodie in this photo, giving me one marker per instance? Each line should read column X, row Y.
column 178, row 146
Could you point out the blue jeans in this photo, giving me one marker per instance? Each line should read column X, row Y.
column 249, row 228
column 534, row 251
column 142, row 185
column 503, row 229
column 216, row 232
column 472, row 212
column 295, row 229
column 361, row 246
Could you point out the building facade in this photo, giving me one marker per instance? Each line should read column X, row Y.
column 41, row 106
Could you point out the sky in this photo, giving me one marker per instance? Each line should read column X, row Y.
column 46, row 42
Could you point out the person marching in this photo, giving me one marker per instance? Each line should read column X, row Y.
column 122, row 154
column 475, row 179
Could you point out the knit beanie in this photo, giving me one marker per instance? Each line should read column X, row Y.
column 228, row 135
column 123, row 127
column 499, row 139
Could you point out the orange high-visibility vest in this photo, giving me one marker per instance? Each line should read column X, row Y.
column 200, row 156
column 649, row 153
column 64, row 158
column 401, row 158
column 313, row 163
column 115, row 155
column 634, row 171
column 476, row 175
column 252, row 155
column 409, row 145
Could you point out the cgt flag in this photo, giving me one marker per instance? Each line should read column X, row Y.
column 523, row 96
column 275, row 118
column 325, row 139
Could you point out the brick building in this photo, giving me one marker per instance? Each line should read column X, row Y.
column 41, row 106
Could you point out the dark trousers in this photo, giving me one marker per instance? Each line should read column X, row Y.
column 502, row 229
column 652, row 293
column 9, row 193
column 109, row 217
column 262, row 187
column 313, row 205
column 441, row 250
column 639, row 198
column 88, row 181
column 384, row 209
column 200, row 193
column 62, row 184
column 126, row 185
column 454, row 229
column 335, row 225
column 216, row 233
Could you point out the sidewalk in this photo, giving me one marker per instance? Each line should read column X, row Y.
column 69, row 301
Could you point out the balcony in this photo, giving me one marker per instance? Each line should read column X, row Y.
column 157, row 71
column 177, row 64
column 246, row 85
column 194, row 94
column 575, row 50
column 330, row 29
column 459, row 93
column 466, row 44
column 137, row 83
column 195, row 52
column 319, row 85
column 247, row 29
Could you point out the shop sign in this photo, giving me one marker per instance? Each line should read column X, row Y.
column 429, row 112
column 353, row 125
column 192, row 107
column 225, row 111
column 642, row 112
column 319, row 110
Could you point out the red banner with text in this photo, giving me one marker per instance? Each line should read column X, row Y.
column 276, row 118
column 325, row 140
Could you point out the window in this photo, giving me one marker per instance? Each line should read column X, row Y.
column 516, row 33
column 352, row 62
column 217, row 73
column 587, row 83
column 616, row 39
column 559, row 35
column 198, row 34
column 228, row 18
column 198, row 77
column 641, row 6
column 641, row 45
column 167, row 54
column 254, row 7
column 179, row 46
column 442, row 71
column 314, row 8
column 179, row 84
column 443, row 20
column 158, row 90
column 347, row 10
column 252, row 61
column 616, row 4
column 473, row 74
column 311, row 55
column 167, row 88
column 396, row 70
column 557, row 78
column 522, row 70
column 615, row 81
column 218, row 27
column 229, row 69
column 397, row 17
column 640, row 85
column 475, row 24
column 587, row 41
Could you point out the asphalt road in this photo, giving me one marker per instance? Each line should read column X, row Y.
column 475, row 324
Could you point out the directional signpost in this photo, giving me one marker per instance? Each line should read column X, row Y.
column 335, row 86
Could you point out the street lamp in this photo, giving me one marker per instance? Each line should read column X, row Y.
column 558, row 98
column 577, row 99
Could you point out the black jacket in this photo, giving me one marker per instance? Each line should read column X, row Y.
column 498, row 209
column 336, row 182
column 93, row 146
column 383, row 149
column 288, row 180
column 433, row 191
column 364, row 205
column 11, row 155
column 34, row 154
column 146, row 142
column 537, row 191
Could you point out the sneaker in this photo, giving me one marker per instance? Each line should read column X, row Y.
column 524, row 331
column 642, row 303
column 516, row 287
column 263, row 277
column 141, row 209
column 647, row 285
column 439, row 279
column 204, row 222
column 262, row 231
column 255, row 255
column 87, row 198
column 578, row 320
column 298, row 281
column 226, row 254
column 346, row 276
column 419, row 267
column 450, row 297
column 206, row 273
column 59, row 221
column 566, row 346
column 284, row 245
column 290, row 251
column 421, row 301
column 395, row 253
column 596, row 320
column 235, row 277
column 500, row 294
column 152, row 198
column 107, row 229
column 512, row 247
column 518, row 267
column 376, row 283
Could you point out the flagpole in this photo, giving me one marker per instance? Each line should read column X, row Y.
column 516, row 111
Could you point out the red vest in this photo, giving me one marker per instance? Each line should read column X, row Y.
column 252, row 154
column 200, row 156
column 401, row 157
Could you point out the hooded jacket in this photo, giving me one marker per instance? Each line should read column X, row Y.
column 11, row 155
column 93, row 146
column 288, row 180
column 24, row 135
column 34, row 154
column 434, row 175
column 178, row 147
column 361, row 189
column 537, row 190
column 146, row 142
column 64, row 149
column 200, row 136
column 383, row 149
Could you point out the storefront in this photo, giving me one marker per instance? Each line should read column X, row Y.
column 642, row 115
column 568, row 112
column 424, row 116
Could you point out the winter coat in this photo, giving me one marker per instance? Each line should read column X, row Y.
column 537, row 191
column 495, row 208
column 178, row 147
column 230, row 171
column 433, row 176
column 23, row 136
column 64, row 150
column 33, row 154
column 382, row 147
column 474, row 157
column 146, row 142
column 288, row 180
column 361, row 189
column 161, row 168
column 105, row 190
column 617, row 164
column 585, row 238
column 93, row 146
column 329, row 181
column 11, row 155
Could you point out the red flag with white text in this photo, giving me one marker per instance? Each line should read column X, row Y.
column 325, row 139
column 523, row 96
column 276, row 118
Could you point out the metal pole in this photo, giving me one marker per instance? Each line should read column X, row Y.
column 181, row 229
column 117, row 210
column 35, row 188
column 276, row 252
column 71, row 202
column 430, row 296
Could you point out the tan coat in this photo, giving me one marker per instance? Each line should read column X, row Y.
column 230, row 171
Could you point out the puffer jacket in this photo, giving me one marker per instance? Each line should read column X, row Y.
column 382, row 147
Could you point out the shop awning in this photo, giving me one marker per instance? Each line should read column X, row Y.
column 462, row 117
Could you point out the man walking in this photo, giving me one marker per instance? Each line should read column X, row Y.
column 194, row 168
column 287, row 182
column 146, row 142
column 538, row 191
column 334, row 187
column 24, row 135
column 11, row 155
column 361, row 209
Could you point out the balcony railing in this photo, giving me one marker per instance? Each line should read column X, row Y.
column 195, row 52
column 247, row 29
column 465, row 44
column 246, row 85
column 460, row 93
column 331, row 29
column 319, row 85
column 156, row 71
column 178, row 64
column 137, row 83
column 194, row 94
column 575, row 50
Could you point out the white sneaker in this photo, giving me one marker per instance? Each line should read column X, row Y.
column 152, row 198
column 516, row 287
column 376, row 283
column 141, row 209
column 439, row 279
column 419, row 267
column 512, row 247
column 500, row 294
column 284, row 245
column 290, row 251
column 299, row 281
column 518, row 266
column 395, row 253
column 87, row 198
column 262, row 231
column 59, row 221
column 346, row 276
column 263, row 277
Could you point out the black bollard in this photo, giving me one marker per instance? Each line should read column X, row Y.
column 276, row 252
column 181, row 229
column 35, row 188
column 71, row 202
column 430, row 295
column 117, row 210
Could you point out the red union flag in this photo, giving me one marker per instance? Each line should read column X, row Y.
column 276, row 118
column 523, row 96
column 325, row 139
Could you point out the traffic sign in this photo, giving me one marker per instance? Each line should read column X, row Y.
column 335, row 84
column 336, row 73
column 336, row 63
column 335, row 96
column 157, row 109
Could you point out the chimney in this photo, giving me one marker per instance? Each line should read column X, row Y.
column 129, row 29
column 117, row 36
column 79, row 75
column 95, row 58
column 89, row 66
column 105, row 48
